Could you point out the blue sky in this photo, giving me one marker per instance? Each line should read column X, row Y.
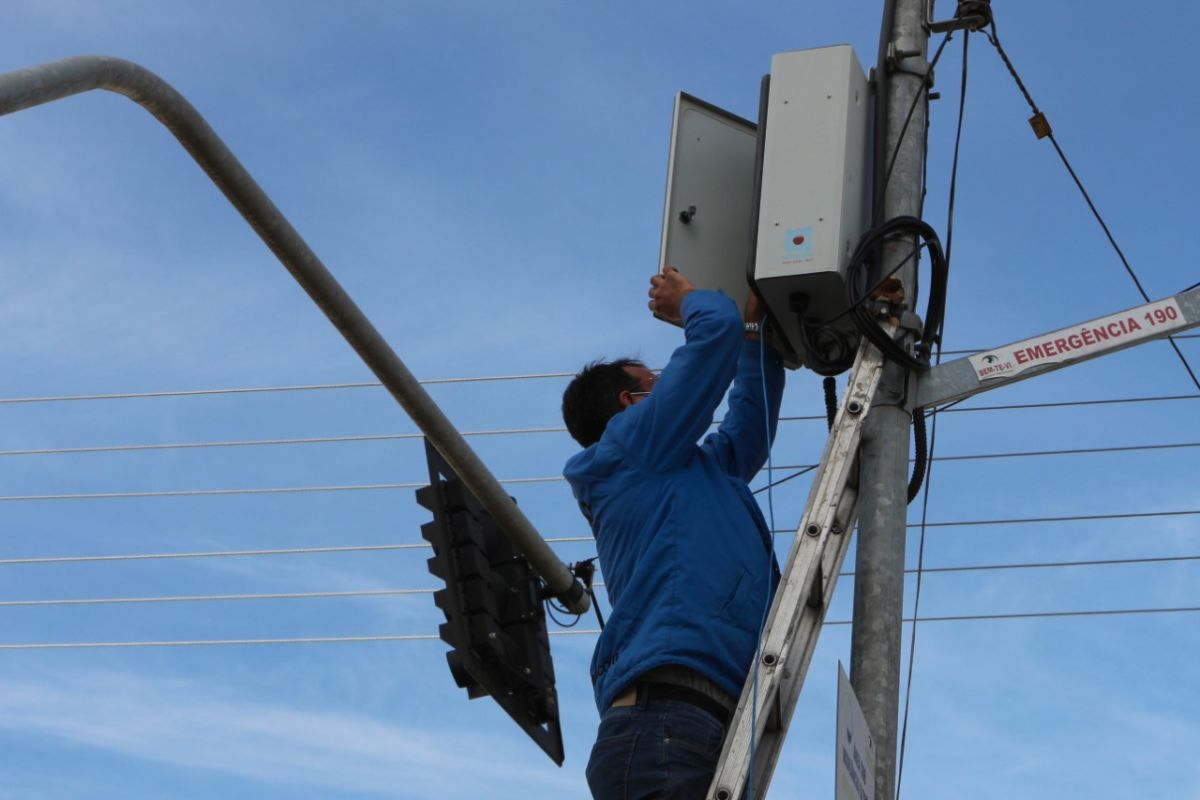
column 486, row 180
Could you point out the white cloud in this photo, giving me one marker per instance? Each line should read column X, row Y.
column 184, row 723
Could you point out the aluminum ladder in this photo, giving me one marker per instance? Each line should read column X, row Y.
column 789, row 636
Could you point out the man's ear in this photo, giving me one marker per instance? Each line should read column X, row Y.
column 625, row 398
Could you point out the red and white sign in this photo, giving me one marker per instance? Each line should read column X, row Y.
column 1070, row 344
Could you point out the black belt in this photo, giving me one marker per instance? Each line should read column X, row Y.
column 670, row 691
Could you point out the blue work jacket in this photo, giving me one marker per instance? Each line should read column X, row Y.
column 684, row 549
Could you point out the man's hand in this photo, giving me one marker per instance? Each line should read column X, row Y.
column 667, row 292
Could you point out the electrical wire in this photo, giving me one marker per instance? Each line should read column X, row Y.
column 212, row 554
column 553, row 479
column 927, row 470
column 1025, row 454
column 379, row 437
column 582, row 571
column 552, row 606
column 923, row 466
column 1070, row 403
column 1071, row 452
column 523, row 431
column 923, row 93
column 859, row 268
column 771, row 561
column 250, row 491
column 191, row 598
column 269, row 389
column 576, row 539
column 231, row 553
column 1103, row 562
column 994, row 39
column 797, row 474
column 830, row 351
column 432, row 637
column 410, row 592
column 964, row 523
column 367, row 385
column 1065, row 518
column 801, row 469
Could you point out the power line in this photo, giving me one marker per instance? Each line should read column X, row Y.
column 802, row 468
column 1113, row 612
column 518, row 431
column 927, row 459
column 1053, row 564
column 1019, row 454
column 266, row 389
column 1076, row 518
column 1046, row 132
column 959, row 523
column 380, row 437
column 1102, row 562
column 208, row 642
column 1070, row 403
column 583, row 539
column 213, row 554
column 1072, row 451
column 430, row 637
column 350, row 384
column 771, row 485
column 244, row 491
column 94, row 601
column 234, row 553
column 83, row 601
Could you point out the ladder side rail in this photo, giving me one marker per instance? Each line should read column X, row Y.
column 795, row 669
column 824, row 513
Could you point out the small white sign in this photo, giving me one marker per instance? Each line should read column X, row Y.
column 1069, row 344
column 855, row 747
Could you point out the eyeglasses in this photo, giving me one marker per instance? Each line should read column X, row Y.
column 638, row 394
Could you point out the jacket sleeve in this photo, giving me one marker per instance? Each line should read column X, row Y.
column 661, row 431
column 741, row 442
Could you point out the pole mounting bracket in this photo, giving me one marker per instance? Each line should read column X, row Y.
column 971, row 15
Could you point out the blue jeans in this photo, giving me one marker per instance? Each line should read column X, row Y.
column 655, row 749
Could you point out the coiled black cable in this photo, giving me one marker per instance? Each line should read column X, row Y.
column 861, row 265
column 828, row 350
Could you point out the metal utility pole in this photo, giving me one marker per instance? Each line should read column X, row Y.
column 883, row 458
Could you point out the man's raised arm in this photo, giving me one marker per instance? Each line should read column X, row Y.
column 744, row 437
column 661, row 429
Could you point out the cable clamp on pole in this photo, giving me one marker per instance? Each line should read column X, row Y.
column 971, row 15
column 911, row 321
column 575, row 597
column 895, row 55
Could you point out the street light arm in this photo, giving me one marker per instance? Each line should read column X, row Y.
column 46, row 83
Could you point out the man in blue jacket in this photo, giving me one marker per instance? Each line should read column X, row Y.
column 684, row 548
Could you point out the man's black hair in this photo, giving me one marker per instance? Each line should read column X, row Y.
column 592, row 397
